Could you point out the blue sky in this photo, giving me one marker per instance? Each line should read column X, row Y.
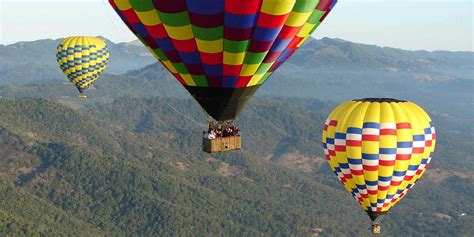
column 407, row 24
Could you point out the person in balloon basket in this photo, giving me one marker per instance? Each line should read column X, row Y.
column 214, row 131
column 210, row 134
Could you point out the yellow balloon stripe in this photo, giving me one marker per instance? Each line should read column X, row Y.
column 388, row 139
column 355, row 119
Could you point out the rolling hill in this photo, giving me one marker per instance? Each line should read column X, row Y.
column 127, row 161
column 133, row 167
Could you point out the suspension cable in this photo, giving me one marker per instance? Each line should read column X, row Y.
column 146, row 81
column 109, row 16
column 174, row 109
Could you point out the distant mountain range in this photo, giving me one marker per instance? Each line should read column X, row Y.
column 127, row 161
column 18, row 61
column 328, row 69
column 338, row 53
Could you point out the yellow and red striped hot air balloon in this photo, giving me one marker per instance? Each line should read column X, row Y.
column 378, row 148
column 82, row 59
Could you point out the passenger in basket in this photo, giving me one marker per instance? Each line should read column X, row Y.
column 212, row 136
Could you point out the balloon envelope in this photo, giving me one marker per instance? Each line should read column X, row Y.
column 82, row 59
column 378, row 148
column 222, row 50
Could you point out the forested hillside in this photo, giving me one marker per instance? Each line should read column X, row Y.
column 134, row 167
column 127, row 161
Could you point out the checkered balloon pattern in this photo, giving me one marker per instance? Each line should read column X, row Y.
column 222, row 43
column 378, row 149
column 82, row 59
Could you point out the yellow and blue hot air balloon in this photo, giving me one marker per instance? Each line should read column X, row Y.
column 378, row 148
column 82, row 59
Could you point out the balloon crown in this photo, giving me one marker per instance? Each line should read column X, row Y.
column 380, row 100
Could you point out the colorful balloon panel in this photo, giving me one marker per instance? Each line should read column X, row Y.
column 221, row 51
column 378, row 148
column 82, row 59
column 222, row 43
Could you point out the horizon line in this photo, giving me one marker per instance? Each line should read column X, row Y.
column 361, row 43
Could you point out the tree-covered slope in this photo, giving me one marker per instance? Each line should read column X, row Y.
column 134, row 167
column 22, row 214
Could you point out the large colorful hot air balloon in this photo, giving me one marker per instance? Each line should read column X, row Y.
column 221, row 51
column 82, row 60
column 378, row 148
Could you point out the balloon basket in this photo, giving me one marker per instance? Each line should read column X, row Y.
column 82, row 96
column 221, row 137
column 376, row 229
column 221, row 144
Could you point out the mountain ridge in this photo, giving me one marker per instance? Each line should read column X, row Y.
column 138, row 43
column 317, row 53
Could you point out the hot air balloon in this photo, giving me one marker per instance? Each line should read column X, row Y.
column 82, row 59
column 378, row 149
column 222, row 51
